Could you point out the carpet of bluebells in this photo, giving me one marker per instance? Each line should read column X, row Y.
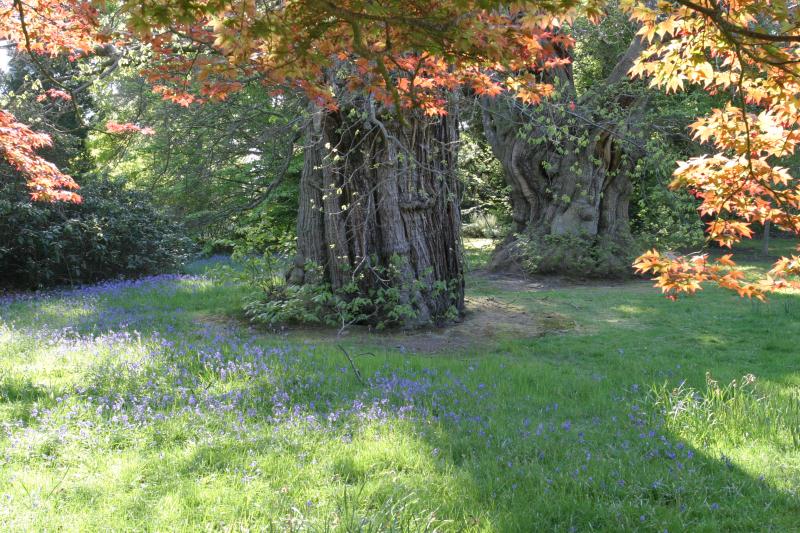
column 125, row 406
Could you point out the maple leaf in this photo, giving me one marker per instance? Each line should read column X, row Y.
column 127, row 128
column 726, row 260
column 54, row 94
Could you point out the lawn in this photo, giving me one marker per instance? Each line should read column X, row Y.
column 151, row 406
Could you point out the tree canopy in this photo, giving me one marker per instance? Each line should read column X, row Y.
column 407, row 56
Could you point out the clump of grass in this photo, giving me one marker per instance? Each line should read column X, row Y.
column 397, row 512
column 731, row 414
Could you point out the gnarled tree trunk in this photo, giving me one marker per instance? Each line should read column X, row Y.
column 567, row 162
column 379, row 206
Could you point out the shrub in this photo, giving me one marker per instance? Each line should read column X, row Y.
column 662, row 218
column 113, row 233
column 275, row 303
column 667, row 220
column 483, row 226
column 572, row 255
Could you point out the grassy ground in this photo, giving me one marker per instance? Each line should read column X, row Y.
column 143, row 406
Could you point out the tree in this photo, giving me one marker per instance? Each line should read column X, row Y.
column 44, row 28
column 407, row 58
column 748, row 50
column 34, row 100
column 379, row 206
column 568, row 163
column 229, row 168
column 379, row 196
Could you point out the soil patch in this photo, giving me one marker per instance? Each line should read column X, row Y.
column 486, row 320
column 510, row 281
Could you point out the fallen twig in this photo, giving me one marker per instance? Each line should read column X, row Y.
column 353, row 364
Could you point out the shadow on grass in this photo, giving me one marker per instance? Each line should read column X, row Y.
column 148, row 304
column 20, row 398
column 457, row 444
column 200, row 425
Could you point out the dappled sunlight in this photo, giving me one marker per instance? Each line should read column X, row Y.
column 476, row 243
column 161, row 422
column 630, row 309
column 478, row 251
column 372, row 266
column 211, row 389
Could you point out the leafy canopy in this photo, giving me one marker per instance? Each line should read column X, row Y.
column 409, row 54
column 749, row 50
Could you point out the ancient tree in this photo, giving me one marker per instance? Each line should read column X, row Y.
column 567, row 162
column 379, row 208
column 378, row 222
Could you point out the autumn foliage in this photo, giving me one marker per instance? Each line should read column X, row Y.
column 406, row 55
column 748, row 50
column 44, row 28
column 411, row 54
column 19, row 144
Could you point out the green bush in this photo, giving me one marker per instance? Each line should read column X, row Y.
column 662, row 218
column 112, row 233
column 276, row 303
column 667, row 220
column 572, row 255
column 485, row 206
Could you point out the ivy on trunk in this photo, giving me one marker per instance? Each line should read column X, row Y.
column 567, row 162
column 379, row 210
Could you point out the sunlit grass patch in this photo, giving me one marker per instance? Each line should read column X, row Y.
column 478, row 251
column 139, row 413
column 737, row 413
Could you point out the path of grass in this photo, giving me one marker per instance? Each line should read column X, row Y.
column 124, row 407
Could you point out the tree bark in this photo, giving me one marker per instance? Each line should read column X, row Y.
column 567, row 164
column 379, row 206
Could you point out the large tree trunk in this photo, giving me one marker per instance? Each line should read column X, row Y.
column 567, row 162
column 379, row 206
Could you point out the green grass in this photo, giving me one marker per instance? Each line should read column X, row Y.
column 572, row 431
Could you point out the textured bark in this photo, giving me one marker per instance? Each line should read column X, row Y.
column 575, row 183
column 376, row 193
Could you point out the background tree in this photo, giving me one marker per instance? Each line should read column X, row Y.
column 40, row 103
column 379, row 201
column 111, row 232
column 485, row 205
column 569, row 161
column 44, row 28
column 230, row 169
